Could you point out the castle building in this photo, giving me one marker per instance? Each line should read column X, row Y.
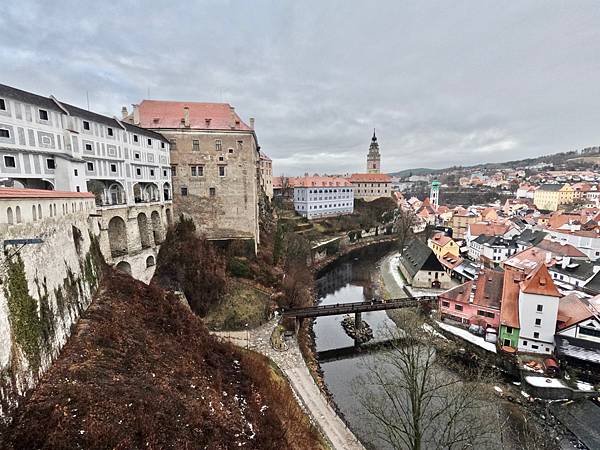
column 215, row 164
column 51, row 145
column 370, row 186
column 318, row 197
column 373, row 157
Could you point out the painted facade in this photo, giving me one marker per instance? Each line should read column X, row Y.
column 319, row 197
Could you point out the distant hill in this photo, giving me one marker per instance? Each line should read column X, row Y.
column 408, row 172
column 562, row 160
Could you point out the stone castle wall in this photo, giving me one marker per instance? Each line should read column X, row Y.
column 223, row 207
column 44, row 289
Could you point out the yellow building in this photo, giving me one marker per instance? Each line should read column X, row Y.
column 442, row 245
column 551, row 196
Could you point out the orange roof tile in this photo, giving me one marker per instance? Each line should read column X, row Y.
column 321, row 182
column 539, row 282
column 489, row 229
column 370, row 178
column 509, row 311
column 204, row 116
column 572, row 310
column 488, row 290
column 41, row 193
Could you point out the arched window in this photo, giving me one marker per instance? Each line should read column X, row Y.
column 9, row 215
column 150, row 261
column 34, row 212
column 18, row 214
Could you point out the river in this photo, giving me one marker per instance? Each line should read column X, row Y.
column 349, row 280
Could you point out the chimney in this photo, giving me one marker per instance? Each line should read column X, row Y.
column 136, row 114
column 207, row 122
column 124, row 112
column 186, row 116
column 252, row 123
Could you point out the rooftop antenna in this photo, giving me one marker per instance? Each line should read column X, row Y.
column 87, row 96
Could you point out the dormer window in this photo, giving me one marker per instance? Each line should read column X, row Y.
column 86, row 125
column 43, row 114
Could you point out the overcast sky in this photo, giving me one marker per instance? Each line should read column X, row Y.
column 444, row 82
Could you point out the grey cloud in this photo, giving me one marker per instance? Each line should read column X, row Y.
column 443, row 83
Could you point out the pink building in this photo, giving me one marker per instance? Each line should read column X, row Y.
column 475, row 302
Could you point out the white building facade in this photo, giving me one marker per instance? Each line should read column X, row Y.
column 319, row 197
column 51, row 145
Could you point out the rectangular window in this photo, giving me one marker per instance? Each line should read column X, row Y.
column 221, row 158
column 50, row 164
column 86, row 125
column 218, row 145
column 78, row 188
column 173, row 171
column 151, row 172
column 113, row 168
column 540, row 308
column 76, row 172
column 240, row 145
column 230, row 150
column 221, row 171
column 2, row 104
column 538, row 322
column 184, row 191
column 586, row 331
column 195, row 145
column 110, row 131
column 536, row 335
column 138, row 172
column 525, row 343
column 88, row 147
column 197, row 171
column 458, row 307
column 165, row 173
column 212, row 192
column 509, row 330
column 162, row 145
column 136, row 155
column 445, row 304
column 43, row 114
column 135, row 138
column 9, row 161
column 150, row 142
column 173, row 143
column 507, row 342
column 90, row 166
column 535, row 347
column 4, row 133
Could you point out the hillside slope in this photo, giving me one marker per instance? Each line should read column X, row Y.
column 141, row 371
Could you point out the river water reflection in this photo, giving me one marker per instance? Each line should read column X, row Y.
column 349, row 280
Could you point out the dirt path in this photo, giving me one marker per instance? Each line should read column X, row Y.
column 293, row 366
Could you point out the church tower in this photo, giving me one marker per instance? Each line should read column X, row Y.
column 373, row 158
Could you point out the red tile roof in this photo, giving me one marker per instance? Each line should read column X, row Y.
column 489, row 229
column 572, row 310
column 509, row 312
column 321, row 182
column 447, row 261
column 370, row 178
column 460, row 293
column 528, row 259
column 441, row 239
column 540, row 282
column 41, row 193
column 561, row 249
column 488, row 290
column 167, row 114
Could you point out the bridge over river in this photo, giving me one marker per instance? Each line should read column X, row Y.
column 355, row 308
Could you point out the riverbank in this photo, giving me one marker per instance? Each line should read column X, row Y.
column 292, row 364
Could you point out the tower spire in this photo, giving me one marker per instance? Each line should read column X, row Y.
column 373, row 157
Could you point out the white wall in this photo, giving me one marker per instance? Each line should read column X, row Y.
column 527, row 316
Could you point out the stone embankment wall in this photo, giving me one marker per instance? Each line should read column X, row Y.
column 44, row 288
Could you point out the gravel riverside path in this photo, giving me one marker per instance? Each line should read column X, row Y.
column 293, row 366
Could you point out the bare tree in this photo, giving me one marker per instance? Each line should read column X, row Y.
column 403, row 226
column 414, row 403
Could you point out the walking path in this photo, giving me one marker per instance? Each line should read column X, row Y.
column 293, row 366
